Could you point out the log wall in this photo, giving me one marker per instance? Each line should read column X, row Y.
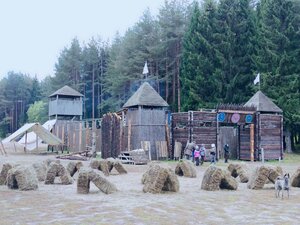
column 270, row 132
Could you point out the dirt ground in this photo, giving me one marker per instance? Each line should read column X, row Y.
column 60, row 204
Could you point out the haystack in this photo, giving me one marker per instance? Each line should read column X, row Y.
column 83, row 182
column 23, row 178
column 262, row 174
column 58, row 170
column 295, row 180
column 215, row 179
column 106, row 165
column 172, row 182
column 186, row 168
column 73, row 167
column 110, row 163
column 238, row 170
column 119, row 167
column 87, row 175
column 41, row 170
column 3, row 175
column 157, row 179
column 102, row 165
column 103, row 184
column 49, row 161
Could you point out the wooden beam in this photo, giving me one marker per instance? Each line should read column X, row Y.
column 252, row 142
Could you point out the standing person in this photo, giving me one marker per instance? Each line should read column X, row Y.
column 202, row 153
column 189, row 148
column 213, row 154
column 197, row 155
column 226, row 152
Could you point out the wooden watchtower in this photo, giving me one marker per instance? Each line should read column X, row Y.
column 145, row 120
column 66, row 104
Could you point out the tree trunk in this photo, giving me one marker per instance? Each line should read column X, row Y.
column 93, row 93
column 177, row 73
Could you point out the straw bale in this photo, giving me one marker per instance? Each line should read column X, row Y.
column 259, row 177
column 228, row 182
column 156, row 181
column 119, row 167
column 3, row 175
column 110, row 163
column 295, row 179
column 274, row 172
column 104, row 167
column 172, row 182
column 100, row 182
column 58, row 170
column 83, row 182
column 23, row 178
column 151, row 171
column 73, row 167
column 186, row 168
column 41, row 170
column 212, row 179
column 95, row 164
column 238, row 170
column 49, row 161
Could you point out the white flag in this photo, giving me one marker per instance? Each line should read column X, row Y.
column 257, row 79
column 145, row 70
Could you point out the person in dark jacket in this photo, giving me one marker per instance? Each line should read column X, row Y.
column 226, row 152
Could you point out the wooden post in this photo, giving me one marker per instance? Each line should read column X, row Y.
column 80, row 136
column 252, row 142
column 129, row 135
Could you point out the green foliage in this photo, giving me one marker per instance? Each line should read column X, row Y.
column 38, row 112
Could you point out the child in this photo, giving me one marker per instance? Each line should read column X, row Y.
column 197, row 155
column 213, row 154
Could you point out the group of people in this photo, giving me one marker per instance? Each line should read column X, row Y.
column 192, row 151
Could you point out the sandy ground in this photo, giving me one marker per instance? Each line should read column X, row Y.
column 60, row 204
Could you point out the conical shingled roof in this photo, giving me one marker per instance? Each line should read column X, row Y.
column 262, row 103
column 145, row 96
column 66, row 91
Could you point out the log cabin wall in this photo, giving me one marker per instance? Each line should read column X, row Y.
column 270, row 135
column 144, row 124
column 198, row 126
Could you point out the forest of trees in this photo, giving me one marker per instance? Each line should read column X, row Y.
column 199, row 54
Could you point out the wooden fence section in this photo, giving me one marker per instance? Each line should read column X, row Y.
column 270, row 130
column 198, row 126
column 77, row 135
column 111, row 135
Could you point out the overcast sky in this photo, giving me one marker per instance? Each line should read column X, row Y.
column 33, row 32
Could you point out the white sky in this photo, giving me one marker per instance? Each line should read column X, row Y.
column 34, row 32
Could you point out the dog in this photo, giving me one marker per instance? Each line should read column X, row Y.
column 282, row 184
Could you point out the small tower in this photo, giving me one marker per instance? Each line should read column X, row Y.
column 269, row 126
column 66, row 104
column 145, row 118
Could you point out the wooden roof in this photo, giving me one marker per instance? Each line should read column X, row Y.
column 262, row 103
column 145, row 96
column 66, row 91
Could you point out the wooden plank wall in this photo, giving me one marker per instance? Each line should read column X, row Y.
column 144, row 125
column 180, row 129
column 204, row 125
column 245, row 143
column 110, row 134
column 270, row 130
column 198, row 126
column 76, row 135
